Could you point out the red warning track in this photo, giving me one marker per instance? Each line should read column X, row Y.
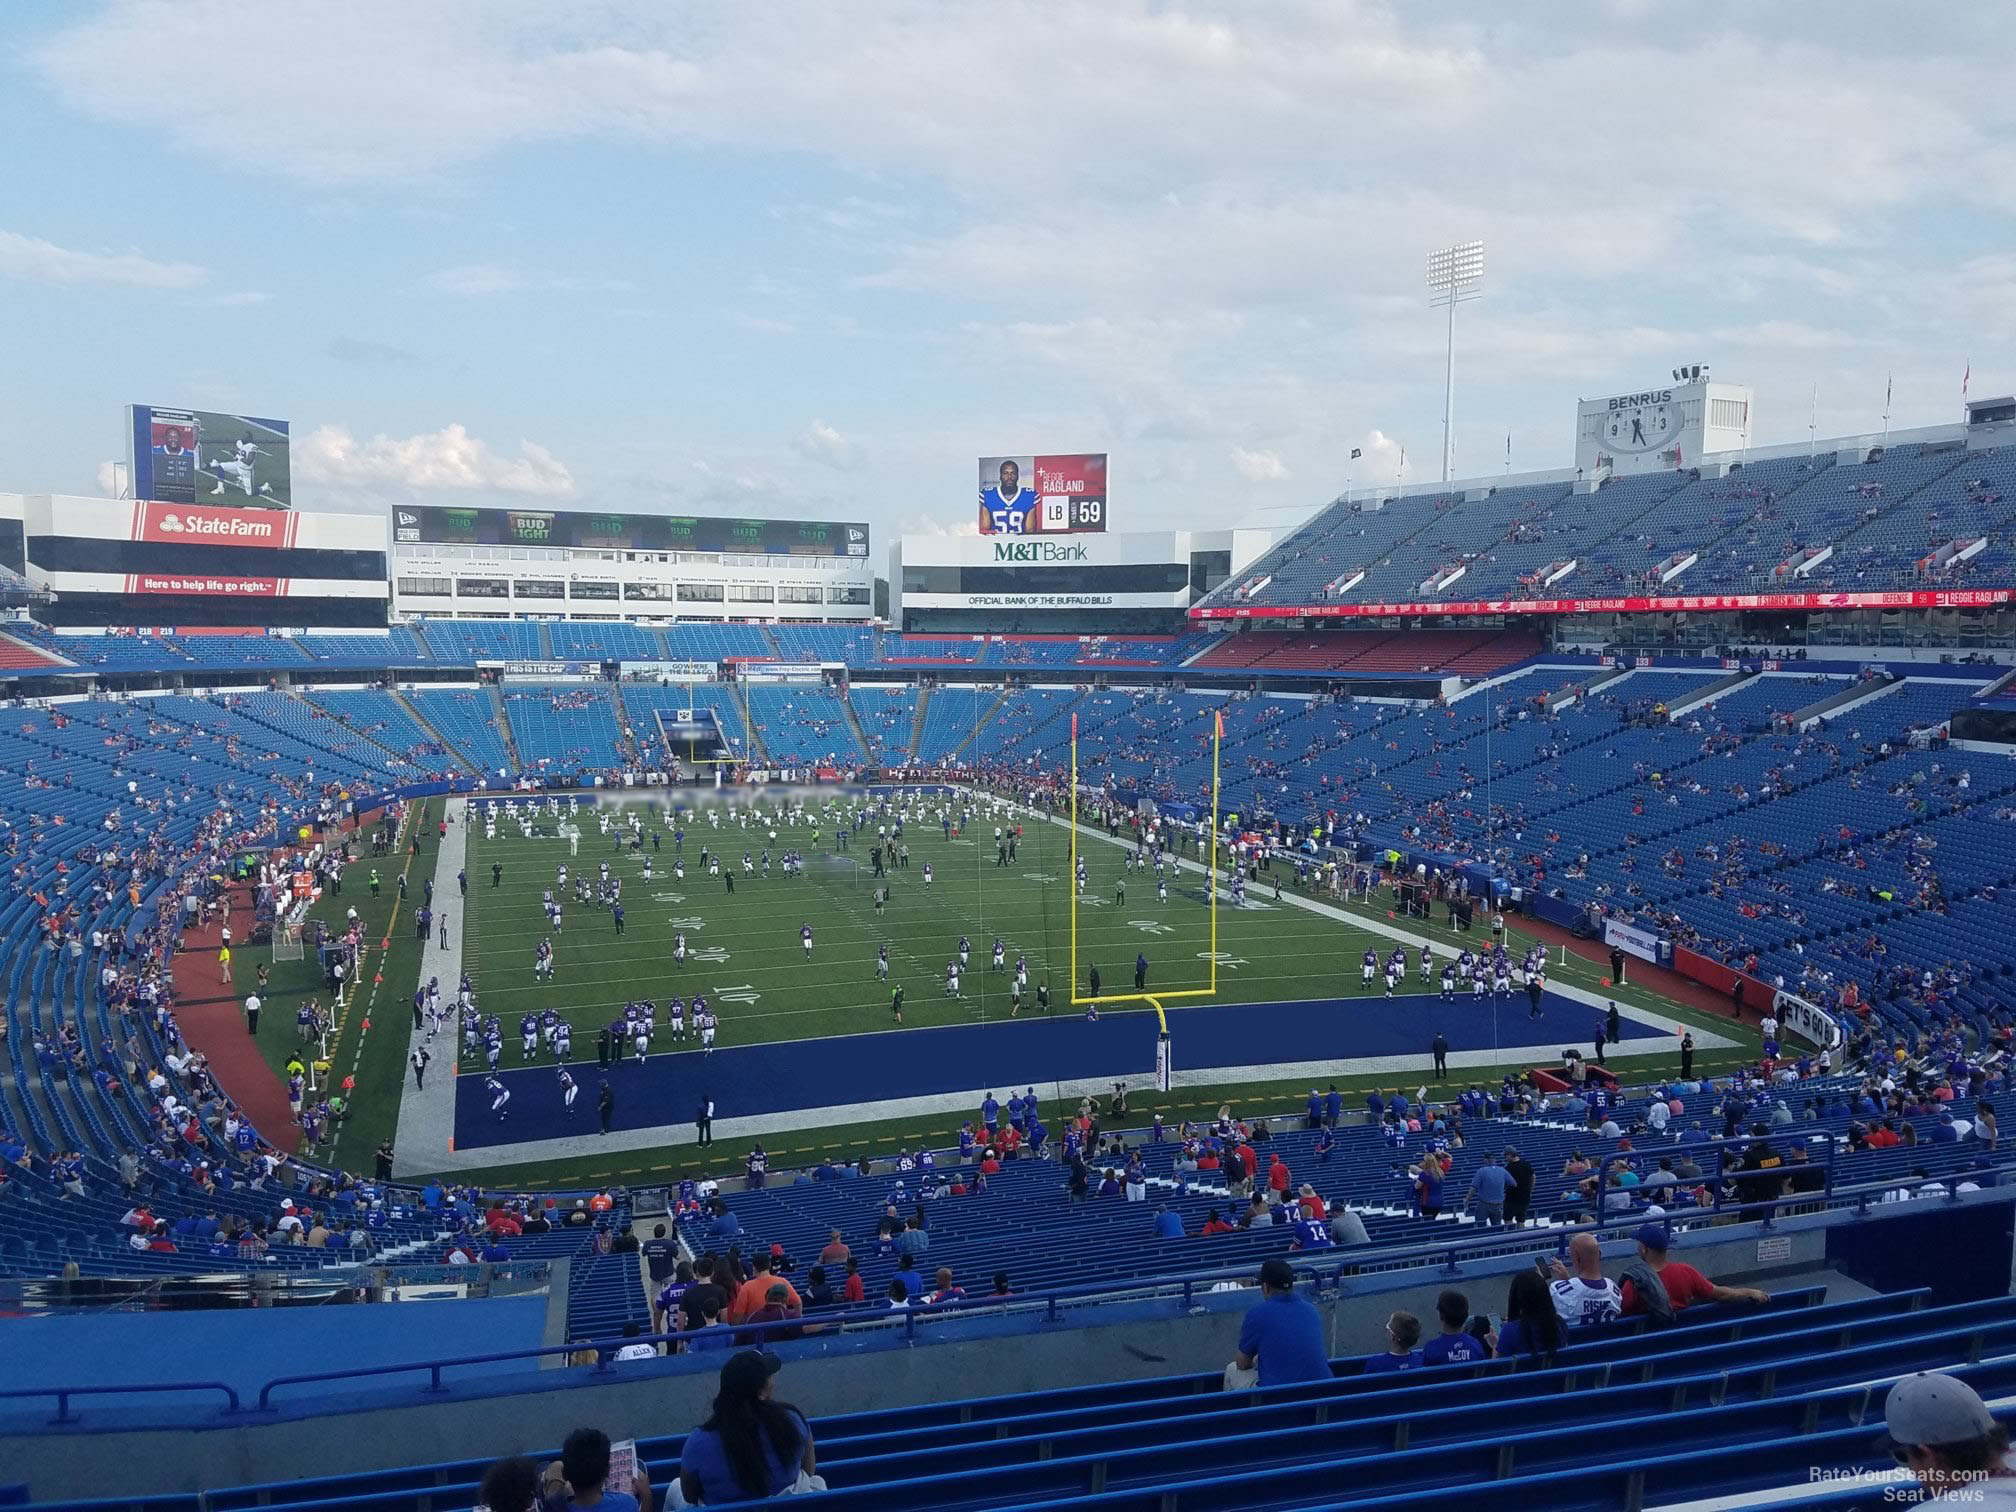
column 212, row 1017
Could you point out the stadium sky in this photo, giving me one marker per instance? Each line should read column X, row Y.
column 805, row 258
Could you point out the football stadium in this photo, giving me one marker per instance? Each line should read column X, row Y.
column 681, row 970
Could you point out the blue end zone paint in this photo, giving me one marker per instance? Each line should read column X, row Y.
column 748, row 1080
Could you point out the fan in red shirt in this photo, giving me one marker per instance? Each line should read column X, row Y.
column 1277, row 1175
column 1684, row 1285
column 1217, row 1225
column 1248, row 1158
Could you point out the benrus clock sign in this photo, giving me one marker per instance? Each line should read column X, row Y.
column 1641, row 422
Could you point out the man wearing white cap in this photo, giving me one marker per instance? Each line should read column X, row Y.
column 1942, row 1432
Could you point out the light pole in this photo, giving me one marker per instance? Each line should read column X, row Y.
column 1453, row 276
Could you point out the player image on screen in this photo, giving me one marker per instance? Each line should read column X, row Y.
column 235, row 465
column 172, row 440
column 1008, row 505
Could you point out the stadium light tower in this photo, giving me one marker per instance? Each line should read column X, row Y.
column 1453, row 276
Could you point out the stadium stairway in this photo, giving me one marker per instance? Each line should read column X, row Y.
column 413, row 712
column 504, row 729
column 631, row 752
column 860, row 732
column 917, row 724
column 993, row 711
column 739, row 702
column 545, row 633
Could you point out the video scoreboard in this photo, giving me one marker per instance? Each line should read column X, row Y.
column 434, row 525
column 1063, row 494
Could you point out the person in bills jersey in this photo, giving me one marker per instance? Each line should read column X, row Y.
column 1006, row 505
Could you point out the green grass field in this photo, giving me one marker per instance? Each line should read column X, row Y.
column 747, row 958
column 751, row 965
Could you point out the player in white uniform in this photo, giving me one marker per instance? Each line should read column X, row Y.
column 499, row 1095
column 882, row 964
column 679, row 947
column 1000, row 956
column 238, row 468
column 640, row 1039
column 704, row 1021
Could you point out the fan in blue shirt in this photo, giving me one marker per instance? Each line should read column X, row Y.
column 1455, row 1345
column 1282, row 1332
column 1403, row 1333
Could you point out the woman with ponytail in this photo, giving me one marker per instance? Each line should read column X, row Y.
column 751, row 1445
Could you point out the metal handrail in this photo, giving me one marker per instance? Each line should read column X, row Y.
column 63, row 1394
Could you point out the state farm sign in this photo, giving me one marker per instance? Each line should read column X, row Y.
column 213, row 525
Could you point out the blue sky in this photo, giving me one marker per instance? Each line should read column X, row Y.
column 805, row 259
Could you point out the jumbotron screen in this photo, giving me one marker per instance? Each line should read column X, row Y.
column 581, row 530
column 192, row 456
column 1054, row 495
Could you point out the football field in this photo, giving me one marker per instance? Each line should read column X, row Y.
column 747, row 956
column 808, row 1054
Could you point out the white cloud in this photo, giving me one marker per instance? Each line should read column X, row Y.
column 821, row 443
column 110, row 475
column 1385, row 461
column 933, row 525
column 477, row 279
column 449, row 458
column 1259, row 466
column 485, row 280
column 33, row 260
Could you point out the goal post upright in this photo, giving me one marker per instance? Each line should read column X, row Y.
column 1157, row 998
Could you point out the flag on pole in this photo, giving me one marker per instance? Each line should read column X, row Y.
column 1508, row 446
column 1220, row 730
column 1357, row 452
column 1888, row 381
column 1074, row 726
column 1964, row 377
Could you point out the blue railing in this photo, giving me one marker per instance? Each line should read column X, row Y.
column 63, row 1395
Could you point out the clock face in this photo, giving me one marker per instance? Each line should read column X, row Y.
column 1642, row 427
